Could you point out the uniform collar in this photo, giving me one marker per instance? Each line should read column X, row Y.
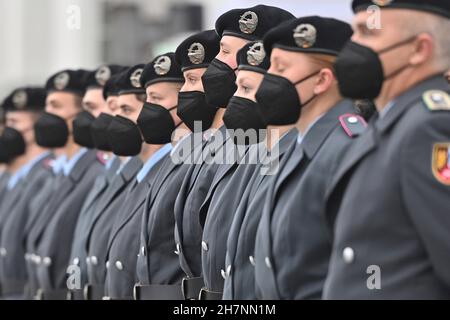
column 69, row 164
column 25, row 170
column 154, row 159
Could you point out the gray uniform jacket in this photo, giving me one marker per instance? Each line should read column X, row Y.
column 55, row 227
column 240, row 284
column 392, row 233
column 99, row 229
column 13, row 275
column 123, row 244
column 293, row 240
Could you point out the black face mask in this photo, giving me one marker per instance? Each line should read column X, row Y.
column 12, row 145
column 99, row 132
column 359, row 70
column 278, row 100
column 219, row 82
column 51, row 131
column 244, row 114
column 124, row 137
column 156, row 124
column 192, row 107
column 82, row 129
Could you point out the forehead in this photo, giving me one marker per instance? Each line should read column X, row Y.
column 249, row 75
column 18, row 115
column 59, row 96
column 91, row 94
column 233, row 42
column 196, row 71
column 129, row 99
column 160, row 87
column 285, row 55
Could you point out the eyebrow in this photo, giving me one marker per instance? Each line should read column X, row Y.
column 123, row 106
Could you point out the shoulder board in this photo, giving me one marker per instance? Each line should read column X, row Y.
column 47, row 163
column 102, row 157
column 436, row 100
column 353, row 124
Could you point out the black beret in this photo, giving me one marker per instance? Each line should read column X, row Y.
column 253, row 57
column 73, row 81
column 129, row 81
column 111, row 88
column 251, row 23
column 163, row 68
column 439, row 7
column 25, row 99
column 97, row 79
column 198, row 50
column 309, row 34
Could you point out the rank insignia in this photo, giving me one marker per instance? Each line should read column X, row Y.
column 441, row 162
column 436, row 100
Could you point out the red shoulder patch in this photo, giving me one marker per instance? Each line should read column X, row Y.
column 102, row 157
column 353, row 124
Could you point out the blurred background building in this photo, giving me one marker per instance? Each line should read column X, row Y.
column 40, row 37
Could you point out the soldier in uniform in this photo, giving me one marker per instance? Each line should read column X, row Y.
column 293, row 239
column 99, row 226
column 29, row 166
column 391, row 193
column 243, row 112
column 236, row 28
column 52, row 233
column 94, row 104
column 230, row 180
column 158, row 268
column 126, row 140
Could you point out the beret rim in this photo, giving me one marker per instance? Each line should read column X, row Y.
column 196, row 66
column 245, row 67
column 169, row 79
column 76, row 92
column 239, row 35
column 306, row 50
column 131, row 91
column 426, row 8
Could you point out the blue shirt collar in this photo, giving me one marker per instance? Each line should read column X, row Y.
column 24, row 170
column 386, row 109
column 110, row 162
column 301, row 136
column 154, row 159
column 58, row 163
column 122, row 165
column 69, row 164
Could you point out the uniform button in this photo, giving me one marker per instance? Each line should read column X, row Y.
column 107, row 264
column 37, row 259
column 177, row 252
column 349, row 255
column 47, row 261
column 119, row 265
column 229, row 270
column 143, row 251
column 3, row 252
column 76, row 261
column 88, row 260
column 352, row 120
column 268, row 263
column 252, row 260
column 204, row 246
column 94, row 260
column 224, row 274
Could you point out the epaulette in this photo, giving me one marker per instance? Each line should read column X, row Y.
column 436, row 100
column 102, row 157
column 353, row 124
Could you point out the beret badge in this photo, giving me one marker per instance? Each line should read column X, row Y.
column 20, row 99
column 135, row 78
column 61, row 81
column 256, row 54
column 103, row 75
column 305, row 35
column 196, row 53
column 248, row 22
column 162, row 65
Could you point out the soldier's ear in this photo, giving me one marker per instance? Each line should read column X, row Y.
column 423, row 49
column 324, row 80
